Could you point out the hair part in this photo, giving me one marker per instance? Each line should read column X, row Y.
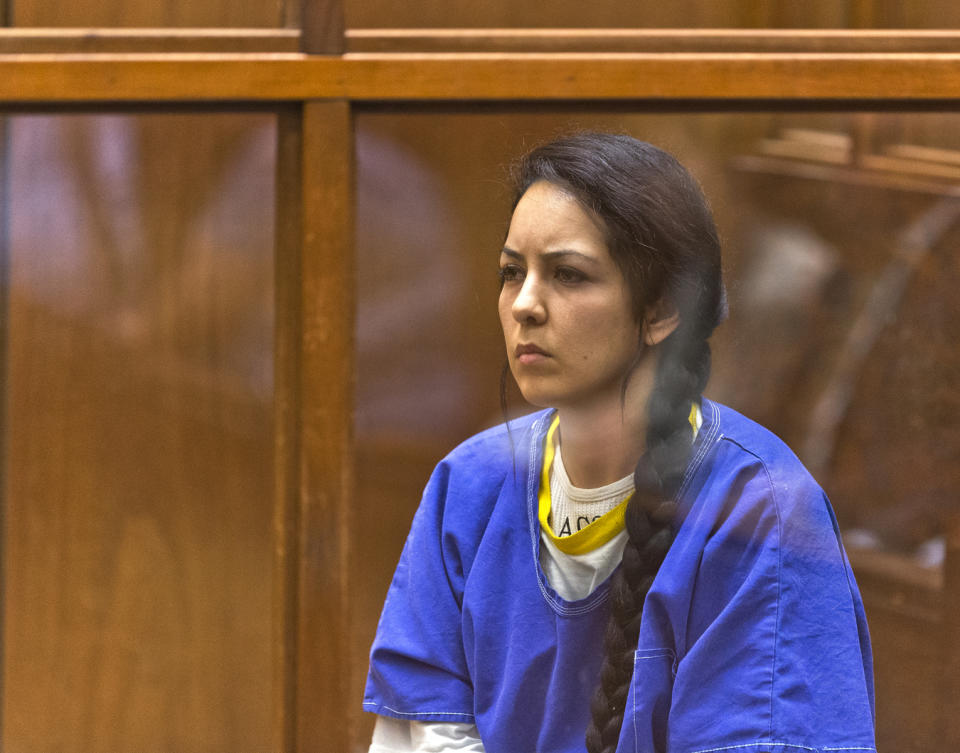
column 661, row 234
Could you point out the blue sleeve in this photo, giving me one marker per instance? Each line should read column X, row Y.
column 417, row 665
column 777, row 655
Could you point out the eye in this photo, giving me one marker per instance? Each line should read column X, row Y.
column 569, row 275
column 510, row 273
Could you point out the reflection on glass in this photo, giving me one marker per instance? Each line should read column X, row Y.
column 838, row 232
column 139, row 433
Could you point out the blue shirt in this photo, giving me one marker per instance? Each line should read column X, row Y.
column 753, row 636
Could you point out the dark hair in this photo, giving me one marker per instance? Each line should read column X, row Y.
column 661, row 234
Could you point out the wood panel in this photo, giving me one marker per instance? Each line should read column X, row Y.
column 648, row 40
column 919, row 14
column 4, row 320
column 62, row 41
column 894, row 79
column 147, row 13
column 315, row 516
column 138, row 460
column 601, row 13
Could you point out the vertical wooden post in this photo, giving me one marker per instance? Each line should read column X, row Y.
column 287, row 336
column 4, row 368
column 322, row 27
column 326, row 453
column 314, row 370
column 314, row 426
column 6, row 19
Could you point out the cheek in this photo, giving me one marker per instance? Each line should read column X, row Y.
column 505, row 309
column 606, row 333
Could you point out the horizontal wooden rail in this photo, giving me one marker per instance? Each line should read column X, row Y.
column 17, row 41
column 650, row 40
column 26, row 40
column 896, row 78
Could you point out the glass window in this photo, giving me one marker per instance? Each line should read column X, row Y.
column 138, row 477
column 838, row 230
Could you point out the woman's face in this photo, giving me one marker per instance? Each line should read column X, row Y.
column 565, row 307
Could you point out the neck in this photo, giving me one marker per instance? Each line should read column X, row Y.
column 603, row 440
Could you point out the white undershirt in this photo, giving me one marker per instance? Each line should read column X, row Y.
column 576, row 576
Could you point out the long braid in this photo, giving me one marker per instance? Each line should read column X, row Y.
column 661, row 234
column 650, row 516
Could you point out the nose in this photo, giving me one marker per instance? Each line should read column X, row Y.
column 528, row 307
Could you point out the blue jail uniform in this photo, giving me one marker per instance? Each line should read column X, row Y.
column 753, row 636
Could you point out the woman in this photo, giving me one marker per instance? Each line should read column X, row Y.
column 635, row 568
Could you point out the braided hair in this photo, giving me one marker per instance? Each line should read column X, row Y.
column 660, row 233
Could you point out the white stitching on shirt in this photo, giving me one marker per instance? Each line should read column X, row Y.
column 416, row 713
column 774, row 745
column 754, row 745
column 636, row 733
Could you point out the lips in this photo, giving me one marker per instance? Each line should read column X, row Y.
column 528, row 353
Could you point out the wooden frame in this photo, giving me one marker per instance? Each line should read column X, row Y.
column 882, row 79
column 20, row 41
column 313, row 79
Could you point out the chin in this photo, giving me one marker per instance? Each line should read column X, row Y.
column 536, row 395
column 541, row 396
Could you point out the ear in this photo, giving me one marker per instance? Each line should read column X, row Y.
column 660, row 320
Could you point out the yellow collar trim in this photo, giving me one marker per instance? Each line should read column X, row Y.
column 600, row 531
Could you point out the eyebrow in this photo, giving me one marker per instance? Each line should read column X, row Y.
column 550, row 254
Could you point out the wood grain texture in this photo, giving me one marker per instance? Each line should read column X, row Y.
column 147, row 14
column 315, row 357
column 322, row 26
column 139, row 466
column 597, row 14
column 106, row 40
column 894, row 79
column 15, row 41
column 649, row 40
column 4, row 321
column 287, row 424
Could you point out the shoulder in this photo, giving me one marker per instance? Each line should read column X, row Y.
column 495, row 451
column 492, row 465
column 746, row 446
column 752, row 438
column 757, row 490
column 753, row 486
